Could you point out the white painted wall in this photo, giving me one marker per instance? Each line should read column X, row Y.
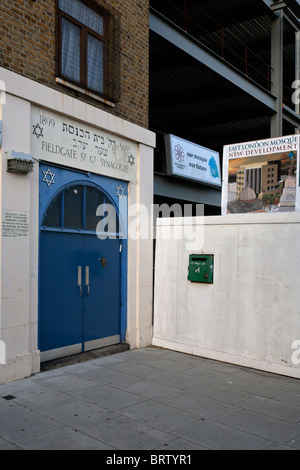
column 140, row 255
column 19, row 256
column 17, row 321
column 250, row 315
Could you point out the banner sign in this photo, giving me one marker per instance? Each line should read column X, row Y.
column 191, row 161
column 58, row 139
column 261, row 176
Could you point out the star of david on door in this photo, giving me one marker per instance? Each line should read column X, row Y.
column 120, row 191
column 49, row 177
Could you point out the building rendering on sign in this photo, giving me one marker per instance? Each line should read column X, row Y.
column 264, row 174
column 259, row 178
column 76, row 155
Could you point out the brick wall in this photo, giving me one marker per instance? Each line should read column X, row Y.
column 27, row 38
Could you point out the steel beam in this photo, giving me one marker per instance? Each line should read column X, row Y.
column 210, row 60
column 277, row 72
column 297, row 73
column 294, row 6
column 291, row 10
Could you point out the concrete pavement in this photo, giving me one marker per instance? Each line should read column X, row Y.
column 150, row 399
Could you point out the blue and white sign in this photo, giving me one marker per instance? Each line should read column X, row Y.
column 191, row 161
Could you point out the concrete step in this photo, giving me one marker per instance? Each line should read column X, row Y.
column 85, row 356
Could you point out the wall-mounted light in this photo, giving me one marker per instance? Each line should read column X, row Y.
column 18, row 162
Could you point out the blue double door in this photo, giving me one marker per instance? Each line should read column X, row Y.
column 80, row 275
column 79, row 292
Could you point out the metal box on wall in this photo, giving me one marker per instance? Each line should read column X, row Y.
column 201, row 268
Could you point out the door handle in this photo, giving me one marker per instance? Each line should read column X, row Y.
column 87, row 280
column 79, row 281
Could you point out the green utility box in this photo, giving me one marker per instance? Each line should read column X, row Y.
column 201, row 268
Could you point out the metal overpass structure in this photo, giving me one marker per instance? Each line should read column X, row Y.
column 221, row 72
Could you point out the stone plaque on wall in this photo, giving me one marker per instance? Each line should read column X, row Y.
column 15, row 224
column 59, row 139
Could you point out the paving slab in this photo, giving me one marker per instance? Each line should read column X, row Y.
column 153, row 390
column 265, row 406
column 108, row 397
column 220, row 393
column 216, row 436
column 290, row 396
column 18, row 423
column 64, row 439
column 128, row 434
column 149, row 399
column 78, row 414
column 203, row 406
column 180, row 444
column 4, row 445
column 264, row 426
column 159, row 415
